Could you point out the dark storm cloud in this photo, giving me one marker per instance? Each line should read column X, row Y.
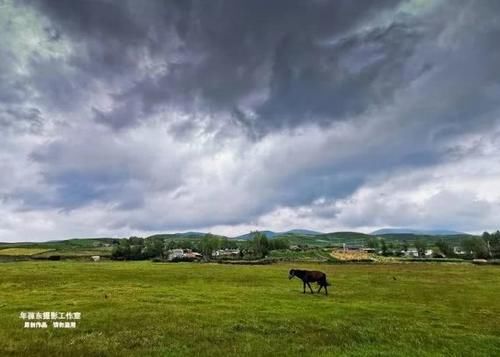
column 23, row 118
column 328, row 82
column 267, row 65
column 219, row 53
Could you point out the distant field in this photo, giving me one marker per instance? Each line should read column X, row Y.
column 23, row 251
column 66, row 248
column 310, row 254
column 352, row 255
column 76, row 252
column 210, row 309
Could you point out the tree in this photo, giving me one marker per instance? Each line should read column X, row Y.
column 153, row 247
column 390, row 248
column 476, row 247
column 121, row 250
column 136, row 241
column 421, row 246
column 373, row 243
column 136, row 252
column 184, row 244
column 208, row 244
column 495, row 244
column 264, row 245
column 169, row 244
column 279, row 243
column 228, row 244
column 383, row 246
column 445, row 248
column 260, row 244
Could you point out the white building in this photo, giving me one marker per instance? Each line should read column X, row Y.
column 175, row 254
column 226, row 252
column 411, row 252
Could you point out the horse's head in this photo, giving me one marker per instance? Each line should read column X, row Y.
column 291, row 273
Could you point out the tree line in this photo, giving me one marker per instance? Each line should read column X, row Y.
column 137, row 248
column 486, row 246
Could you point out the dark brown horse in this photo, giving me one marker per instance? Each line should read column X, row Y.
column 308, row 276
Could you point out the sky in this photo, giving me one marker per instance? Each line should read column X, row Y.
column 127, row 117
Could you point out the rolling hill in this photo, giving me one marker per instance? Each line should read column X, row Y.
column 430, row 232
column 271, row 234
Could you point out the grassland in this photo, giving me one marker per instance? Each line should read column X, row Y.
column 309, row 254
column 144, row 308
column 23, row 251
column 71, row 248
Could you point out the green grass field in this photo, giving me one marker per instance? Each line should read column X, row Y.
column 23, row 251
column 208, row 309
column 70, row 248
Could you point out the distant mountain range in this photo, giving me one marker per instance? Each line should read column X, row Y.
column 191, row 234
column 271, row 234
column 295, row 236
column 307, row 232
column 267, row 233
column 431, row 232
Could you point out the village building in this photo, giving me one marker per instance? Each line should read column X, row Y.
column 226, row 253
column 175, row 254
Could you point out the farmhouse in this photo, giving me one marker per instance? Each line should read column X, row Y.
column 411, row 252
column 192, row 255
column 179, row 254
column 226, row 253
column 175, row 254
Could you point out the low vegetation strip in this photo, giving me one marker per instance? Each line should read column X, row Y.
column 435, row 260
column 23, row 251
column 248, row 262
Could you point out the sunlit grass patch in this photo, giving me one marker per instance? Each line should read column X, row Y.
column 23, row 251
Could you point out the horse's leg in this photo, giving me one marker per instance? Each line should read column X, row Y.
column 304, row 287
column 320, row 286
column 312, row 292
column 326, row 290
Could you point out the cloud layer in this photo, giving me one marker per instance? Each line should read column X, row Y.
column 120, row 117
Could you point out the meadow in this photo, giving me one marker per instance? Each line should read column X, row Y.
column 23, row 251
column 160, row 309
